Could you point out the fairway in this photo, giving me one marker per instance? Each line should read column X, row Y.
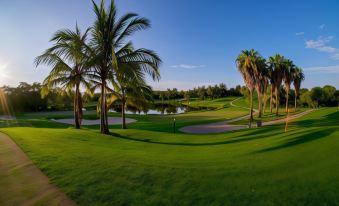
column 155, row 167
column 169, row 103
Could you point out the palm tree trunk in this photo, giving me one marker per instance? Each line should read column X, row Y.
column 103, row 111
column 76, row 108
column 265, row 101
column 123, row 103
column 277, row 101
column 251, row 108
column 80, row 103
column 271, row 99
column 260, row 104
column 287, row 96
column 295, row 99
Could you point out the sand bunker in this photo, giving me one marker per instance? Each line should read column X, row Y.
column 111, row 121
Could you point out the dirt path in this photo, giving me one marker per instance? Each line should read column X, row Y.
column 225, row 126
column 21, row 182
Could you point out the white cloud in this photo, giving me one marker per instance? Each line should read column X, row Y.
column 335, row 56
column 323, row 69
column 300, row 33
column 188, row 66
column 327, row 49
column 320, row 44
column 321, row 27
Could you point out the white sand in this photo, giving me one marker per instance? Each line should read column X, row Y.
column 111, row 121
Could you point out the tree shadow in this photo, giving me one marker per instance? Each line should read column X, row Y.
column 301, row 139
column 233, row 140
column 327, row 120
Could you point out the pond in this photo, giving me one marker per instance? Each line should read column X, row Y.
column 161, row 109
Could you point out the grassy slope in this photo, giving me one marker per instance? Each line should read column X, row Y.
column 146, row 165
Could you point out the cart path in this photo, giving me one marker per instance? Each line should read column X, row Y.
column 22, row 182
column 219, row 127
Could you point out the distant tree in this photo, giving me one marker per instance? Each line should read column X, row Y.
column 187, row 97
column 328, row 95
column 201, row 92
column 223, row 90
column 210, row 92
column 316, row 95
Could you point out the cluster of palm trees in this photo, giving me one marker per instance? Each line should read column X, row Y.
column 260, row 74
column 101, row 59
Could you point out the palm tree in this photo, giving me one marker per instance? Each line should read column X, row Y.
column 261, row 82
column 277, row 66
column 68, row 60
column 272, row 83
column 108, row 36
column 288, row 78
column 134, row 94
column 247, row 66
column 130, row 83
column 298, row 77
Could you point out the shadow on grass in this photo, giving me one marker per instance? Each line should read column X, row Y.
column 232, row 140
column 303, row 137
column 327, row 120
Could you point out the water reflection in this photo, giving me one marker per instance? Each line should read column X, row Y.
column 160, row 109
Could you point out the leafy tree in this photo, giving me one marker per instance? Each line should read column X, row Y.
column 328, row 95
column 316, row 95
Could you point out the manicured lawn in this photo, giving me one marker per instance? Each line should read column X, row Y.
column 148, row 165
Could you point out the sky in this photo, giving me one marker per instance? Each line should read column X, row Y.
column 197, row 40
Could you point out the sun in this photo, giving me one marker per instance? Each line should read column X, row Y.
column 3, row 71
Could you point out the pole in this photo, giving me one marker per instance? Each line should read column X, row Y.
column 174, row 125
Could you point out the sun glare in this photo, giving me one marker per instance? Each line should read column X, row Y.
column 3, row 71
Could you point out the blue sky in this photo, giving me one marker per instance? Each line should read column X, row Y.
column 197, row 40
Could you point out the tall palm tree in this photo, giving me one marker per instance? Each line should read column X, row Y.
column 261, row 82
column 68, row 60
column 247, row 66
column 277, row 65
column 288, row 78
column 108, row 36
column 298, row 77
column 272, row 86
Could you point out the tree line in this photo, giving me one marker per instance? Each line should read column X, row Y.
column 27, row 98
column 201, row 92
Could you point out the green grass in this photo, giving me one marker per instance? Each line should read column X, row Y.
column 149, row 165
column 215, row 103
